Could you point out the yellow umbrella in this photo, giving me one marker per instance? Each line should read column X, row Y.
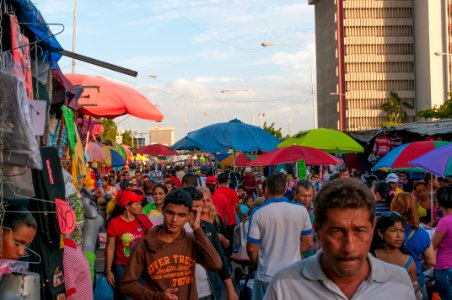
column 141, row 157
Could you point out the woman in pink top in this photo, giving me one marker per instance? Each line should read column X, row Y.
column 442, row 242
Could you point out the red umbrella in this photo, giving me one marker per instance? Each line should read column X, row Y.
column 294, row 153
column 156, row 150
column 107, row 99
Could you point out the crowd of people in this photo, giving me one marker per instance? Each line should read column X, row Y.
column 171, row 236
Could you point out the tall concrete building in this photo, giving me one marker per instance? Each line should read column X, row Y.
column 161, row 135
column 368, row 48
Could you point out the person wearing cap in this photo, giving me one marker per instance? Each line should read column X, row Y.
column 125, row 228
column 393, row 181
column 249, row 182
column 219, row 200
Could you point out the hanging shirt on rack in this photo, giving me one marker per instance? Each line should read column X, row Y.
column 382, row 145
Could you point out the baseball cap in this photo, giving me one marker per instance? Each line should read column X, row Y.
column 127, row 197
column 392, row 178
column 211, row 180
column 129, row 182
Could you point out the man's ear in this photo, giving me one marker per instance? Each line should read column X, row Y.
column 380, row 234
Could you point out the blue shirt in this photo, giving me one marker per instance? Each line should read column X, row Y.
column 416, row 245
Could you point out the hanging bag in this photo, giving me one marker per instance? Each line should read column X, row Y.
column 103, row 290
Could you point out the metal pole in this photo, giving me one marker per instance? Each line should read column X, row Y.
column 313, row 90
column 314, row 102
column 252, row 109
column 185, row 116
column 74, row 32
column 341, row 66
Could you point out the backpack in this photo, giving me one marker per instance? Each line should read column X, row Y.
column 239, row 240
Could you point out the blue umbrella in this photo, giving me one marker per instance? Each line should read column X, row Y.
column 183, row 144
column 234, row 135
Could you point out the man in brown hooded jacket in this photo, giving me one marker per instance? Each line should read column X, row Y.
column 165, row 258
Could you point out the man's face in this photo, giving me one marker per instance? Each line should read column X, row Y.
column 345, row 237
column 344, row 174
column 241, row 193
column 138, row 175
column 175, row 216
column 304, row 196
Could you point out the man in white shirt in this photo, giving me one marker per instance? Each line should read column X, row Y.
column 344, row 221
column 279, row 232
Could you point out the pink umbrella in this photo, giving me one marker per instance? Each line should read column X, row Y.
column 95, row 152
column 294, row 153
column 108, row 99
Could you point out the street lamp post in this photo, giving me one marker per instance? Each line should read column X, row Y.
column 243, row 90
column 313, row 92
column 261, row 116
column 74, row 30
column 447, row 63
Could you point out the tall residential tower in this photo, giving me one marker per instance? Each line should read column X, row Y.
column 368, row 48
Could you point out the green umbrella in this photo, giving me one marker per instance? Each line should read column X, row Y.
column 121, row 151
column 329, row 140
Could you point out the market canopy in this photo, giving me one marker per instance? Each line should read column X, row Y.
column 329, row 140
column 234, row 135
column 103, row 98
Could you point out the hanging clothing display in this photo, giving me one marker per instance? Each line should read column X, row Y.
column 49, row 185
column 382, row 145
column 77, row 273
column 20, row 147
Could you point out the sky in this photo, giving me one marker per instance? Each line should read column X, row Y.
column 198, row 48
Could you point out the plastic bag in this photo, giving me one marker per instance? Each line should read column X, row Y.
column 103, row 290
column 20, row 147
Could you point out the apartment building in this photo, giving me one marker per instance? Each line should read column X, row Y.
column 367, row 48
column 161, row 135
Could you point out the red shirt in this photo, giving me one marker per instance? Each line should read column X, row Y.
column 176, row 180
column 249, row 182
column 233, row 200
column 220, row 203
column 127, row 234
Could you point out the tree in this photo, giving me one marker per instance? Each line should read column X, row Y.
column 110, row 130
column 443, row 112
column 396, row 108
column 127, row 137
column 276, row 132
